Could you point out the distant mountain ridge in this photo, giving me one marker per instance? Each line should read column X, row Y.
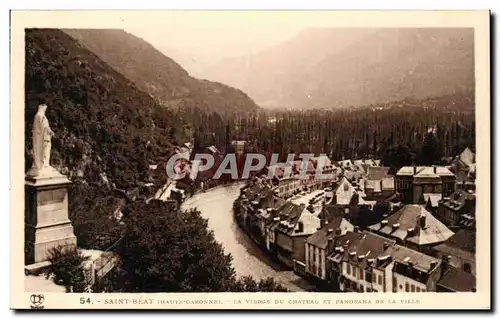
column 159, row 75
column 333, row 67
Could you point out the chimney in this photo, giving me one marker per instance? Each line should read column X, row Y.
column 330, row 231
column 435, row 169
column 301, row 227
column 386, row 245
column 395, row 226
column 338, row 232
column 414, row 170
column 422, row 221
column 330, row 245
column 445, row 263
column 411, row 232
column 433, row 265
column 356, row 229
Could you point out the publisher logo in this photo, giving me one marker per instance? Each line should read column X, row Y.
column 37, row 301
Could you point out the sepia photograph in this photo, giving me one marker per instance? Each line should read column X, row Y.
column 324, row 160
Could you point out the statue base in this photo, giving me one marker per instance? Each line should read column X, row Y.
column 47, row 223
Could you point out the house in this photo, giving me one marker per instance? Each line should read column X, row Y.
column 414, row 181
column 287, row 187
column 268, row 208
column 319, row 245
column 465, row 162
column 464, row 167
column 334, row 259
column 342, row 192
column 413, row 226
column 378, row 184
column 413, row 271
column 273, row 222
column 460, row 207
column 249, row 200
column 291, row 231
column 466, row 181
column 459, row 251
column 432, row 202
column 364, row 263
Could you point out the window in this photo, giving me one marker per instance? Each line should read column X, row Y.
column 467, row 267
column 368, row 276
column 394, row 281
column 407, row 287
column 362, row 288
column 348, row 269
column 368, row 290
column 423, row 290
column 375, row 290
column 418, row 289
column 412, row 288
column 380, row 279
column 361, row 273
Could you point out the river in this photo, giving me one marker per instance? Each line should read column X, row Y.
column 216, row 205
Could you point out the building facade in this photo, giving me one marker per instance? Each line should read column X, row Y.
column 412, row 182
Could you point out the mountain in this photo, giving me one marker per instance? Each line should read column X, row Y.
column 328, row 68
column 194, row 64
column 106, row 128
column 157, row 74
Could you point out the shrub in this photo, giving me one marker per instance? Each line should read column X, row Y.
column 67, row 267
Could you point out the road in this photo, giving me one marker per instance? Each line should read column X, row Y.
column 216, row 206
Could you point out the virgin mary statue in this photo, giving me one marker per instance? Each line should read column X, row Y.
column 42, row 135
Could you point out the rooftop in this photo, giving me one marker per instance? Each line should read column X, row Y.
column 433, row 198
column 424, row 171
column 336, row 227
column 413, row 223
column 377, row 173
column 468, row 157
column 370, row 248
column 343, row 192
column 463, row 239
column 458, row 200
column 457, row 280
column 417, row 260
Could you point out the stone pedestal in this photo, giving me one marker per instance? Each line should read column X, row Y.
column 47, row 224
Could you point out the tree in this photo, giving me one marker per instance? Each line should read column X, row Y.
column 430, row 153
column 166, row 249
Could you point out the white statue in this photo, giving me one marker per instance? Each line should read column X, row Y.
column 42, row 136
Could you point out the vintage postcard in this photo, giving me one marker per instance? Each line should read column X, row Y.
column 250, row 160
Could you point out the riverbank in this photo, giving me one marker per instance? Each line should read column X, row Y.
column 216, row 205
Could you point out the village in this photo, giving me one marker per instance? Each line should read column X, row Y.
column 370, row 231
column 367, row 230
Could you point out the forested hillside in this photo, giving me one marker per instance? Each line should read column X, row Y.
column 395, row 131
column 104, row 125
column 159, row 75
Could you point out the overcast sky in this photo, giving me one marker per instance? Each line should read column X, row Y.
column 219, row 34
